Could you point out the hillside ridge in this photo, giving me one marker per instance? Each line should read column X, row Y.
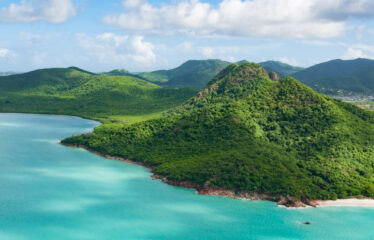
column 340, row 77
column 74, row 91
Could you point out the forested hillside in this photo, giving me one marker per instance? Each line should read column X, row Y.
column 339, row 77
column 194, row 74
column 77, row 92
column 282, row 69
column 249, row 134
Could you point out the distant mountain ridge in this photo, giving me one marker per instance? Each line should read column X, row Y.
column 197, row 73
column 336, row 77
column 193, row 73
column 283, row 69
column 340, row 77
column 122, row 72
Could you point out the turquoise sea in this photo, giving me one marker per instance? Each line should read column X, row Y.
column 48, row 191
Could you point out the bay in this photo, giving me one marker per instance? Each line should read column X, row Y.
column 49, row 191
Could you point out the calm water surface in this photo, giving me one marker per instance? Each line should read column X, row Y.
column 48, row 191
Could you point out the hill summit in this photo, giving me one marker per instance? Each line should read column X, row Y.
column 253, row 137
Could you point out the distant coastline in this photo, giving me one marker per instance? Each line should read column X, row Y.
column 286, row 201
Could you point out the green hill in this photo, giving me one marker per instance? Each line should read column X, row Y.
column 193, row 74
column 282, row 69
column 122, row 72
column 339, row 77
column 117, row 72
column 249, row 134
column 77, row 92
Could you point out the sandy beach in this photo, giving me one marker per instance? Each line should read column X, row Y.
column 354, row 202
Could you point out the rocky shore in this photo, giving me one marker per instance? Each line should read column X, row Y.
column 253, row 196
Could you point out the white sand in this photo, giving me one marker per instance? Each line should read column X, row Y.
column 354, row 202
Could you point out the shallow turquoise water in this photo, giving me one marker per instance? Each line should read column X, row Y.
column 48, row 191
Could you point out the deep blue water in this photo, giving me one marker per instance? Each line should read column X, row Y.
column 48, row 191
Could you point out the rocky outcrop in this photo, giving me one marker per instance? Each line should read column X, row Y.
column 274, row 76
column 216, row 191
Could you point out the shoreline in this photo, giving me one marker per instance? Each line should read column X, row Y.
column 285, row 201
column 57, row 115
column 212, row 191
column 350, row 202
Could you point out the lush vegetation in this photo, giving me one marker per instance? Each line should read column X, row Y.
column 197, row 73
column 117, row 72
column 193, row 74
column 282, row 69
column 77, row 92
column 246, row 132
column 122, row 72
column 340, row 77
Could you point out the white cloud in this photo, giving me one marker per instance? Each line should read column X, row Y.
column 54, row 11
column 364, row 47
column 143, row 50
column 207, row 52
column 185, row 46
column 118, row 49
column 254, row 18
column 358, row 51
column 4, row 52
column 288, row 60
column 132, row 3
column 112, row 38
column 344, row 9
column 317, row 42
column 219, row 52
column 353, row 53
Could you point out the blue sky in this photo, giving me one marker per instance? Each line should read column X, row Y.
column 142, row 35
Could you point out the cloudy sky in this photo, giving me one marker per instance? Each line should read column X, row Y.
column 141, row 35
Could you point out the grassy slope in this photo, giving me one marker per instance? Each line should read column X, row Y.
column 340, row 76
column 247, row 133
column 76, row 92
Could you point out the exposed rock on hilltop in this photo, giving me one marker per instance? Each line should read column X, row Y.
column 274, row 76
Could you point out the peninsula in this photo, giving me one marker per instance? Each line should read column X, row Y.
column 255, row 137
